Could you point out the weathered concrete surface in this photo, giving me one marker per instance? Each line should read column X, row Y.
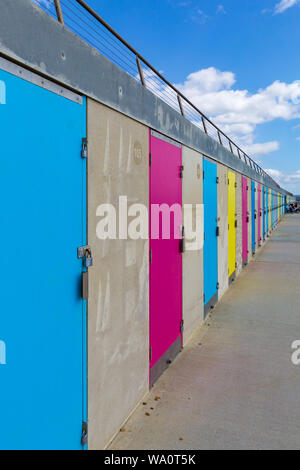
column 192, row 260
column 223, row 226
column 239, row 388
column 118, row 306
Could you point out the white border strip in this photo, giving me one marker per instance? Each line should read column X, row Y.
column 165, row 138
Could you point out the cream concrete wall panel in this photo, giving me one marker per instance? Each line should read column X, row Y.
column 118, row 305
column 238, row 208
column 223, row 225
column 192, row 261
column 250, row 219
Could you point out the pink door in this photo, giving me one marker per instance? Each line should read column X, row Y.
column 245, row 219
column 259, row 214
column 165, row 253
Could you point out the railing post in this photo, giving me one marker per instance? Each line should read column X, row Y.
column 220, row 140
column 180, row 105
column 140, row 71
column 230, row 146
column 204, row 124
column 59, row 11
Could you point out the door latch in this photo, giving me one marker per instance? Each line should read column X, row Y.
column 84, row 434
column 182, row 241
column 84, row 148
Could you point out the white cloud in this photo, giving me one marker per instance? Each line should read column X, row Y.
column 199, row 16
column 221, row 10
column 289, row 181
column 261, row 149
column 283, row 5
column 238, row 112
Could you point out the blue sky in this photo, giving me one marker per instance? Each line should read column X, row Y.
column 238, row 60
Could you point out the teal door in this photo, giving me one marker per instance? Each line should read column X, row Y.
column 210, row 235
column 42, row 319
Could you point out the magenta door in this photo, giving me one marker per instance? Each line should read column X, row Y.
column 259, row 214
column 165, row 253
column 245, row 219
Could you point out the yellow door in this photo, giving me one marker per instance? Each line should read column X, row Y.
column 231, row 224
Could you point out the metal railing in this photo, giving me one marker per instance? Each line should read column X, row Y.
column 79, row 17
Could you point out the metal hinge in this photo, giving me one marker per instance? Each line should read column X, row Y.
column 203, row 174
column 217, row 231
column 150, row 256
column 150, row 353
column 217, row 180
column 150, row 159
column 84, row 152
column 204, row 298
column 218, row 286
column 181, row 171
column 84, row 433
column 181, row 325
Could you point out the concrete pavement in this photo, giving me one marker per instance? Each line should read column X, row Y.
column 234, row 386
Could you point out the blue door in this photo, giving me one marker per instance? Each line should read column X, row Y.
column 42, row 319
column 264, row 212
column 210, row 235
column 285, row 204
column 253, row 214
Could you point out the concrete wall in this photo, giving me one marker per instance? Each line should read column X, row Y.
column 238, row 210
column 223, row 225
column 118, row 306
column 192, row 260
